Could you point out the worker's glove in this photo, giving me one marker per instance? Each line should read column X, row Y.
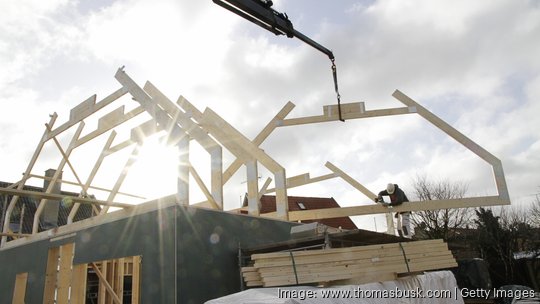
column 376, row 200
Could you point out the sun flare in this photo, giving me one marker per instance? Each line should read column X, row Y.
column 154, row 173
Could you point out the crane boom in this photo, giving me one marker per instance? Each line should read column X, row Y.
column 261, row 13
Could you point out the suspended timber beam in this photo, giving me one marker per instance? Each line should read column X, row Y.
column 354, row 115
column 462, row 139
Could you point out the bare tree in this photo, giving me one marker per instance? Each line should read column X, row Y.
column 439, row 223
column 535, row 211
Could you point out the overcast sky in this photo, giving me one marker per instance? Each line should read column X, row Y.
column 475, row 64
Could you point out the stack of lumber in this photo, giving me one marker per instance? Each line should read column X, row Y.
column 362, row 263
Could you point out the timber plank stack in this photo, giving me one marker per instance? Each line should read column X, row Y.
column 359, row 264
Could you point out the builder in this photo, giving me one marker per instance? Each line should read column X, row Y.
column 397, row 197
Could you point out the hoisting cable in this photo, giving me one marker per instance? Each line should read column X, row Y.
column 334, row 73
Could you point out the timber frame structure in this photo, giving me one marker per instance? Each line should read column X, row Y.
column 182, row 122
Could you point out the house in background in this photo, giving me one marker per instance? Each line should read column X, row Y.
column 54, row 215
column 299, row 203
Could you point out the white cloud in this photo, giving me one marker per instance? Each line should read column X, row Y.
column 474, row 64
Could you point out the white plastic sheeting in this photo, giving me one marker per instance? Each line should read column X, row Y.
column 432, row 287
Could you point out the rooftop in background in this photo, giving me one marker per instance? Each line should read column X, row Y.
column 298, row 203
column 27, row 206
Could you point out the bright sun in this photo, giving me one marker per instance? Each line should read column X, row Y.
column 154, row 173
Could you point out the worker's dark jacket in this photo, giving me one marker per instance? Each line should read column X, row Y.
column 397, row 198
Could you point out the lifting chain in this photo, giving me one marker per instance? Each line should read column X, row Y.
column 334, row 73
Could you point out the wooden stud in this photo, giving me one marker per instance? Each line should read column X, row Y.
column 182, row 180
column 26, row 175
column 120, row 279
column 78, row 285
column 102, row 290
column 19, row 291
column 64, row 273
column 50, row 275
column 282, row 202
column 254, row 204
column 136, row 280
column 103, row 282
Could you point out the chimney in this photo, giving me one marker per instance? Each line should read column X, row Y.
column 49, row 217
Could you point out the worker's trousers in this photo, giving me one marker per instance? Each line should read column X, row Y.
column 404, row 224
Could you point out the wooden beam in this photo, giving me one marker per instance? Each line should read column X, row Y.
column 264, row 187
column 366, row 114
column 182, row 176
column 194, row 130
column 15, row 235
column 282, row 200
column 304, row 182
column 203, row 188
column 64, row 273
column 189, row 109
column 254, row 204
column 259, row 139
column 120, row 180
column 26, row 175
column 19, row 291
column 41, row 206
column 234, row 140
column 101, row 104
column 78, row 285
column 407, row 206
column 345, row 108
column 66, row 159
column 462, row 139
column 109, row 126
column 62, row 181
column 103, row 281
column 52, row 196
column 49, row 289
column 351, row 180
column 136, row 280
